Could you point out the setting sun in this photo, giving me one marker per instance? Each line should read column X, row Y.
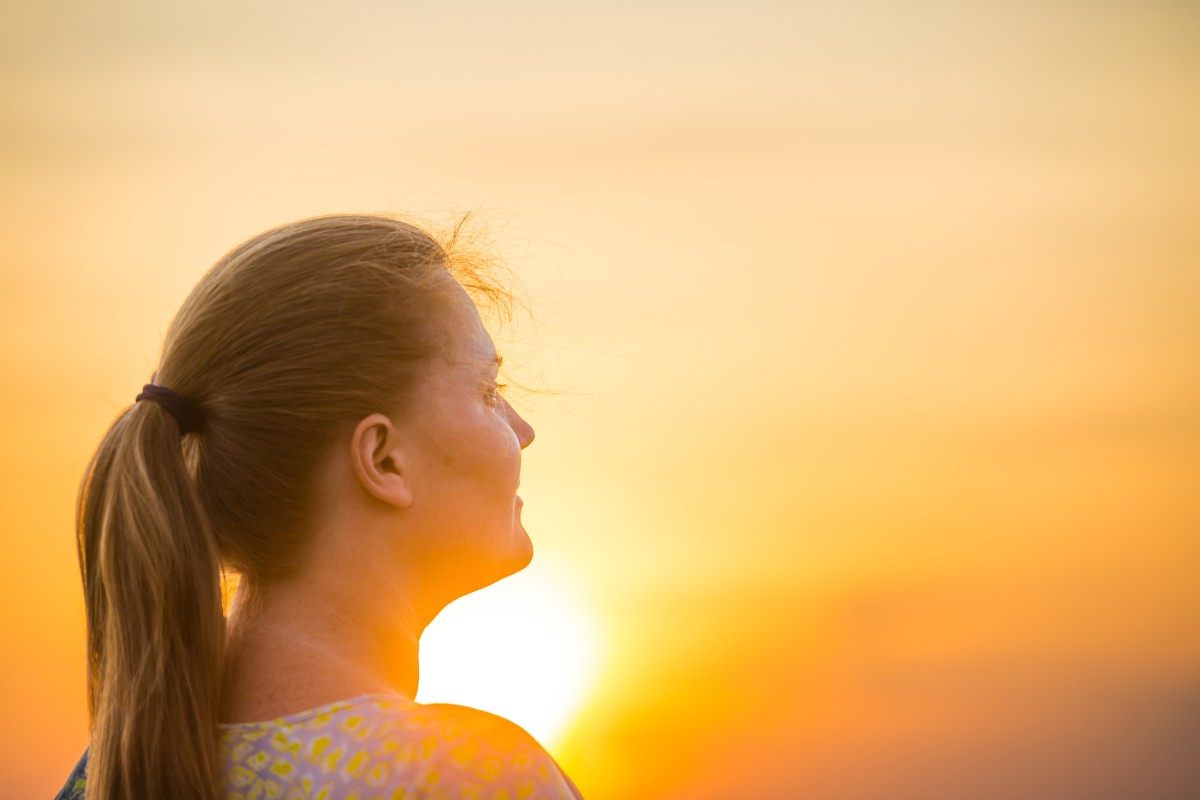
column 526, row 649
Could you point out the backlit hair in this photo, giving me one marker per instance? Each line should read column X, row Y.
column 283, row 345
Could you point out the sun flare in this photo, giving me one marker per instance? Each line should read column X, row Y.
column 525, row 648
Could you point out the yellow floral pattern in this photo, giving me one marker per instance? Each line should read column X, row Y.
column 382, row 747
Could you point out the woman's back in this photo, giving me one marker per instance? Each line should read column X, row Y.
column 382, row 746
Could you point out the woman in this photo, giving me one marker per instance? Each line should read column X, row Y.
column 325, row 422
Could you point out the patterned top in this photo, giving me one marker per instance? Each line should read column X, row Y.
column 386, row 747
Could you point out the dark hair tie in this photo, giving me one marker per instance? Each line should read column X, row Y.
column 176, row 405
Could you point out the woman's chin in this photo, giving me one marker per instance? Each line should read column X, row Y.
column 511, row 557
column 521, row 537
column 522, row 552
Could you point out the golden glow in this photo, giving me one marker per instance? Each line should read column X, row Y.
column 872, row 326
column 526, row 648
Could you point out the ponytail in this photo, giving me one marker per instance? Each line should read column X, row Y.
column 152, row 591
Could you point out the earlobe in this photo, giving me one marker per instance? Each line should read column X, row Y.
column 379, row 462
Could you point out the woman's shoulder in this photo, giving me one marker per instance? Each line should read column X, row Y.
column 485, row 745
column 457, row 722
column 390, row 742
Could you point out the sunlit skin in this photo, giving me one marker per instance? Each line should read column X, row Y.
column 418, row 509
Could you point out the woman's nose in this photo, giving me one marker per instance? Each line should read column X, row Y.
column 522, row 428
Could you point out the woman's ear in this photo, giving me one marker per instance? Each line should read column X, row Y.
column 379, row 463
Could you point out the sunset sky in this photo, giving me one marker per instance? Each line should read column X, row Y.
column 863, row 342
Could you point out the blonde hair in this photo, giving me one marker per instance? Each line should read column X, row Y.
column 284, row 344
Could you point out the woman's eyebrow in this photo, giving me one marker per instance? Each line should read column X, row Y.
column 488, row 365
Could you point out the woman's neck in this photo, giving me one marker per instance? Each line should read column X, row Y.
column 298, row 646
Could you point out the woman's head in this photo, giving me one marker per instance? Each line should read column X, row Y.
column 290, row 338
column 284, row 347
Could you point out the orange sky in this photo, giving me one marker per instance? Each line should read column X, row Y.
column 873, row 326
